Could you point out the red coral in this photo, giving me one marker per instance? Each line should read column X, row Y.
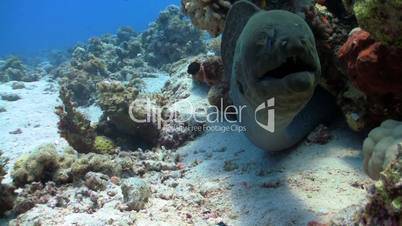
column 373, row 67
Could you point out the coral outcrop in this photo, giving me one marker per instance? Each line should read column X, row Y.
column 381, row 147
column 126, row 111
column 73, row 126
column 207, row 15
column 38, row 166
column 107, row 57
column 210, row 15
column 14, row 70
column 77, row 129
column 382, row 19
column 145, row 118
column 373, row 69
column 164, row 42
column 124, row 34
column 81, row 75
column 385, row 199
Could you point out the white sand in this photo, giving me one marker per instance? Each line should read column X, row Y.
column 33, row 114
column 314, row 181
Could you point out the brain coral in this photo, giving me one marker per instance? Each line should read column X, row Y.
column 381, row 147
column 382, row 19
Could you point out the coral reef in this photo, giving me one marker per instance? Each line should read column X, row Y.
column 164, row 43
column 381, row 19
column 115, row 57
column 207, row 15
column 81, row 75
column 45, row 164
column 207, row 70
column 381, row 147
column 330, row 33
column 144, row 118
column 374, row 72
column 385, row 199
column 372, row 66
column 38, row 166
column 121, row 105
column 340, row 8
column 357, row 70
column 210, row 15
column 124, row 34
column 73, row 126
column 14, row 70
column 98, row 197
column 79, row 83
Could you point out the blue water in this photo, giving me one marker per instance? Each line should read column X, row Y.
column 30, row 26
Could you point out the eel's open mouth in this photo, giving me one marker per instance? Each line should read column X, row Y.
column 293, row 64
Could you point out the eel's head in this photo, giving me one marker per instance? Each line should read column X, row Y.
column 275, row 56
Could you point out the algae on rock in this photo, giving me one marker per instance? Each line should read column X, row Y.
column 382, row 19
column 38, row 166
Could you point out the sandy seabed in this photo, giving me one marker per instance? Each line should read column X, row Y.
column 232, row 182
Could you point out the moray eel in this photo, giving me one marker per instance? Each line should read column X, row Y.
column 272, row 54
